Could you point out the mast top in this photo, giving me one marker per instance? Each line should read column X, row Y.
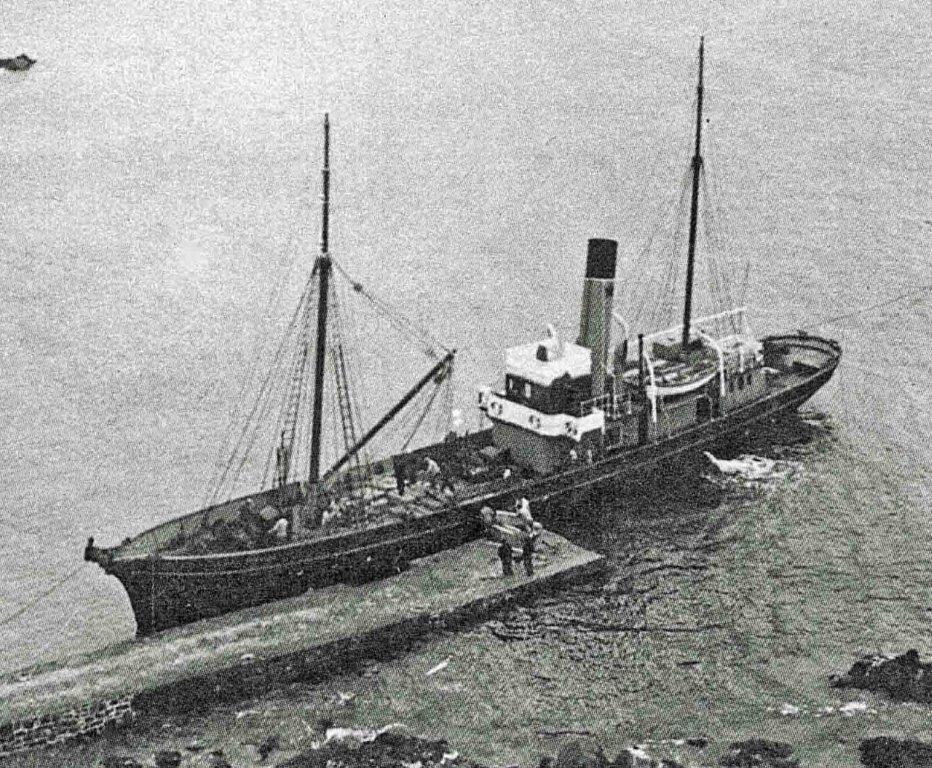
column 694, row 207
column 325, row 193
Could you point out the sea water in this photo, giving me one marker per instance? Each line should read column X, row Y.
column 158, row 215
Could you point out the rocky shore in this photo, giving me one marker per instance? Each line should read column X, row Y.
column 390, row 748
column 885, row 752
column 902, row 678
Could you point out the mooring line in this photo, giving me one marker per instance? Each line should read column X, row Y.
column 42, row 595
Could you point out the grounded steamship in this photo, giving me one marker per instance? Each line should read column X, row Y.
column 570, row 415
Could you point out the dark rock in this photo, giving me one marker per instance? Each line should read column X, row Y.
column 903, row 678
column 885, row 752
column 18, row 64
column 389, row 750
column 574, row 754
column 218, row 760
column 323, row 724
column 268, row 746
column 167, row 758
column 698, row 742
column 759, row 753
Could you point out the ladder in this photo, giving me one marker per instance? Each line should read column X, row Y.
column 293, row 406
column 359, row 468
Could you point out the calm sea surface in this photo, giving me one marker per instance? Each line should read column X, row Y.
column 160, row 178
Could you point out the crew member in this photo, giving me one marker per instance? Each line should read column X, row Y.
column 433, row 470
column 400, row 477
column 505, row 555
column 528, row 557
column 279, row 531
column 523, row 508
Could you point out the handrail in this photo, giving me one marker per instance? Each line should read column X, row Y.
column 739, row 312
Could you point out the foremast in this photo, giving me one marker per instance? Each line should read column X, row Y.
column 694, row 206
column 322, row 267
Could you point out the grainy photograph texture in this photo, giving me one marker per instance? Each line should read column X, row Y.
column 465, row 384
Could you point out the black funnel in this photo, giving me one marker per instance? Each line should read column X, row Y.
column 601, row 258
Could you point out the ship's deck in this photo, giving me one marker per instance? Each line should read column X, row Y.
column 470, row 473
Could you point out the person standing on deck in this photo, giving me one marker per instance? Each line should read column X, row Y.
column 505, row 555
column 400, row 477
column 433, row 470
column 280, row 530
column 446, row 484
column 523, row 508
column 528, row 556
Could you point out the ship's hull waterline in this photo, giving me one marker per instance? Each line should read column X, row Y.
column 169, row 590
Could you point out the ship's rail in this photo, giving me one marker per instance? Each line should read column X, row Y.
column 611, row 404
column 731, row 322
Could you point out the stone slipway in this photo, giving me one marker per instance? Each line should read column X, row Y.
column 306, row 638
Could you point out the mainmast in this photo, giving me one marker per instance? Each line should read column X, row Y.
column 322, row 267
column 694, row 207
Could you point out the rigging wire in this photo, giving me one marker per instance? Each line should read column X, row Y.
column 420, row 419
column 660, row 220
column 665, row 304
column 293, row 390
column 272, row 303
column 665, row 228
column 715, row 223
column 41, row 596
column 260, row 410
column 718, row 281
column 915, row 293
column 218, row 484
column 394, row 316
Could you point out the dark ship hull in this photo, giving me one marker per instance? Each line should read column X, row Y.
column 168, row 590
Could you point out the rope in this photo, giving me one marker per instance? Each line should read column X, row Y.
column 276, row 292
column 401, row 322
column 420, row 420
column 885, row 303
column 42, row 595
column 217, row 485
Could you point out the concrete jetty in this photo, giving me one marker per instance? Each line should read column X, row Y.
column 310, row 637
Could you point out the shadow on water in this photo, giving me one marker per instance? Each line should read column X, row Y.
column 661, row 539
column 678, row 500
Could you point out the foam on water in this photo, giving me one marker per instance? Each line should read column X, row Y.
column 749, row 469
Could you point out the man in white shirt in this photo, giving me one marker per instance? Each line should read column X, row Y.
column 280, row 529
